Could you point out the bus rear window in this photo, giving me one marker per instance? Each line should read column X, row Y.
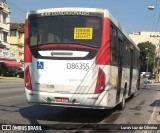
column 82, row 30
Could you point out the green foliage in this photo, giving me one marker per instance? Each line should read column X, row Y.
column 147, row 49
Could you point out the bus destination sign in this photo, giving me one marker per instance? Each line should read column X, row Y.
column 66, row 13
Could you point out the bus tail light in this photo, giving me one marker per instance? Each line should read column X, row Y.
column 28, row 84
column 100, row 85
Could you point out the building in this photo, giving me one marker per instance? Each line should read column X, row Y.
column 17, row 40
column 8, row 63
column 4, row 24
column 153, row 37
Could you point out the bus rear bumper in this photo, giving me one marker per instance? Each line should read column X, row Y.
column 69, row 100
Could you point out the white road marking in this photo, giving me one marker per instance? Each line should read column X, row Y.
column 153, row 113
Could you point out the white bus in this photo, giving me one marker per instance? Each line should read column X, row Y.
column 78, row 57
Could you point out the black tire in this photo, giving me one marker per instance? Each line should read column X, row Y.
column 138, row 85
column 123, row 102
column 131, row 96
column 122, row 105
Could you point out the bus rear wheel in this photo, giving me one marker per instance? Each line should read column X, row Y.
column 123, row 103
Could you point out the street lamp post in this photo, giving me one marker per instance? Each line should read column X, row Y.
column 157, row 71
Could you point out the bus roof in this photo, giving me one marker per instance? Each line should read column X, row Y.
column 80, row 9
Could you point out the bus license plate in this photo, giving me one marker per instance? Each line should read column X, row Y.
column 64, row 100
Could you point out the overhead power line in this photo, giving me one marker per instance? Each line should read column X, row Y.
column 23, row 15
column 16, row 6
column 17, row 10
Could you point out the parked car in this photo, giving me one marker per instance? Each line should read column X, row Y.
column 152, row 76
column 19, row 73
column 142, row 73
column 145, row 74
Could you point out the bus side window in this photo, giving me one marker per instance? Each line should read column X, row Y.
column 128, row 54
column 113, row 45
column 125, row 52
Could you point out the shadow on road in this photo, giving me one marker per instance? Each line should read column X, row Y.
column 156, row 103
column 62, row 114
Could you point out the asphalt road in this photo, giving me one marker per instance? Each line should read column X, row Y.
column 144, row 108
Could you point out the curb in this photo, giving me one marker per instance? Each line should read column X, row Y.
column 11, row 78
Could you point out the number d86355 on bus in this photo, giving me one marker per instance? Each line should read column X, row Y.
column 81, row 66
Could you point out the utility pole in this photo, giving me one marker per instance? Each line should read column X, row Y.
column 158, row 49
column 158, row 78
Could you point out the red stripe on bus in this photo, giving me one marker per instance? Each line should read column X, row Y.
column 103, row 56
column 27, row 52
column 76, row 46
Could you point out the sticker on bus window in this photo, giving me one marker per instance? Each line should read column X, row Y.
column 83, row 33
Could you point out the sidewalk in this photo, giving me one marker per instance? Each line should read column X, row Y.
column 153, row 82
column 155, row 117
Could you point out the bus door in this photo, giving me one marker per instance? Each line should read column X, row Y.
column 131, row 71
column 120, row 52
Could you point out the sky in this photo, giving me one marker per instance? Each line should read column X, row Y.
column 133, row 15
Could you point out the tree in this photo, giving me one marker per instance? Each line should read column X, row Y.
column 147, row 49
